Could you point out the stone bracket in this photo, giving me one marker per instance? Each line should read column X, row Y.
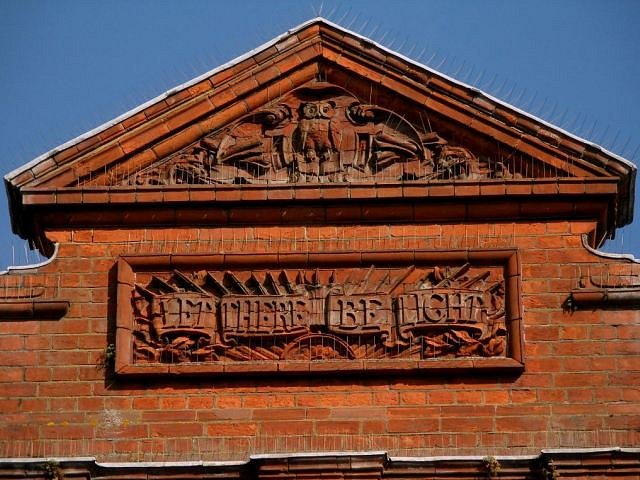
column 34, row 309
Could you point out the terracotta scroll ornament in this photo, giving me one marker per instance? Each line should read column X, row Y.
column 319, row 314
column 318, row 134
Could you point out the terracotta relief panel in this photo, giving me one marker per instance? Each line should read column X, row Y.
column 213, row 316
column 319, row 134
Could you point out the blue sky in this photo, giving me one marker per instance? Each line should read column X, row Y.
column 69, row 66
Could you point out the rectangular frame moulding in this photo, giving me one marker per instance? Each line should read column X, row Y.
column 194, row 314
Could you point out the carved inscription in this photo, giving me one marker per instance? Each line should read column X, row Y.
column 263, row 315
column 359, row 312
column 173, row 313
column 439, row 306
column 349, row 313
column 320, row 133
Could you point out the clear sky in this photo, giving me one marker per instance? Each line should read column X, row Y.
column 69, row 66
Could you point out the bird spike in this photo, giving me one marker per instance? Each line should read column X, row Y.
column 595, row 123
column 466, row 77
column 615, row 140
column 399, row 49
column 580, row 129
column 373, row 32
column 499, row 90
column 553, row 111
column 364, row 25
column 479, row 78
column 422, row 52
column 392, row 42
column 516, row 100
column 531, row 100
column 339, row 22
column 446, row 61
column 455, row 74
column 603, row 137
column 355, row 19
column 624, row 148
column 508, row 95
column 333, row 10
column 489, row 85
column 544, row 104
column 384, row 35
column 411, row 50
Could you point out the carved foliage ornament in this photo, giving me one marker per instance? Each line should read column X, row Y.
column 320, row 314
column 319, row 134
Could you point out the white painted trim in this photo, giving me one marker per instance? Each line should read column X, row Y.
column 345, row 453
column 20, row 268
column 29, row 460
column 169, row 464
column 471, row 458
column 580, row 450
column 613, row 256
column 46, row 459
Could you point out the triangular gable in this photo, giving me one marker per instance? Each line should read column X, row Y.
column 320, row 133
column 321, row 105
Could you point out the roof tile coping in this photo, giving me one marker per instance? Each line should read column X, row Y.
column 479, row 96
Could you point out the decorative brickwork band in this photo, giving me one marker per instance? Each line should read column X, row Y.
column 354, row 314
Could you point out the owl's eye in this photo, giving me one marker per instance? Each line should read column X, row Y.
column 310, row 110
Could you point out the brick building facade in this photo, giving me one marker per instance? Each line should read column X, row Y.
column 321, row 259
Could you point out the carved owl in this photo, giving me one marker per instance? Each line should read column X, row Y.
column 318, row 110
column 314, row 135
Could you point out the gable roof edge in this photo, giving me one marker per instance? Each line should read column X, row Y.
column 178, row 88
column 488, row 96
column 19, row 170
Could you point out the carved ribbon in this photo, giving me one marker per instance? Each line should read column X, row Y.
column 353, row 313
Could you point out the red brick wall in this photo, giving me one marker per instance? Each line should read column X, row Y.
column 580, row 387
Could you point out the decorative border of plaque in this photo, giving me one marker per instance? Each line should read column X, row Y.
column 318, row 312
